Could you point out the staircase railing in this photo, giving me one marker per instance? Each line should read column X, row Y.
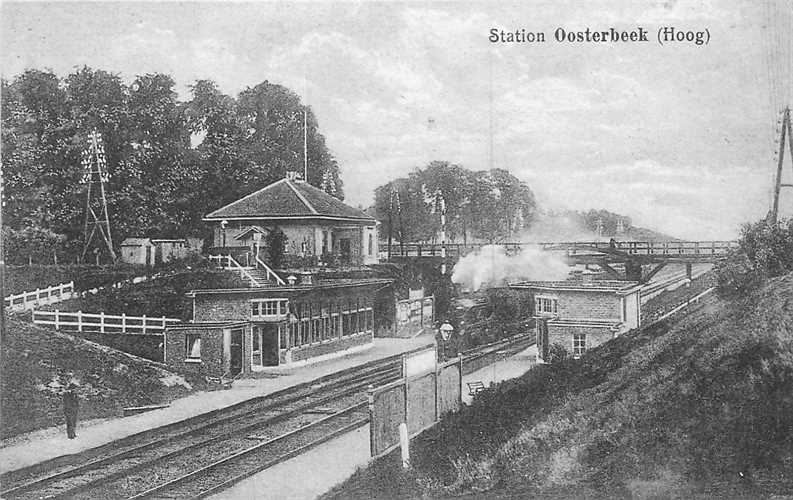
column 233, row 265
column 270, row 273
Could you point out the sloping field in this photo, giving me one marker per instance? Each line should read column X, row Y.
column 699, row 409
column 36, row 363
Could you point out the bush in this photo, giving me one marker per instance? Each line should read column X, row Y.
column 31, row 244
column 557, row 354
column 765, row 251
column 276, row 243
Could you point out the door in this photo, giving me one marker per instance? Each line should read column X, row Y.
column 235, row 365
column 270, row 345
column 542, row 339
column 344, row 250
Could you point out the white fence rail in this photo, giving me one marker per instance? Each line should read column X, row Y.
column 40, row 297
column 104, row 323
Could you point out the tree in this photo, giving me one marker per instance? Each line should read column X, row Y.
column 490, row 205
column 765, row 250
column 276, row 242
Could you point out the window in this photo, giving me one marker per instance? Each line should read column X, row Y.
column 579, row 344
column 256, row 354
column 371, row 244
column 192, row 344
column 262, row 308
column 545, row 305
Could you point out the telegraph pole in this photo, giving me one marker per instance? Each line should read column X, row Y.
column 2, row 266
column 786, row 132
column 95, row 176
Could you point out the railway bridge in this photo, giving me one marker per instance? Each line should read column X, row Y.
column 641, row 260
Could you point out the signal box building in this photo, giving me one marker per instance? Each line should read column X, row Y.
column 315, row 223
column 582, row 314
column 239, row 332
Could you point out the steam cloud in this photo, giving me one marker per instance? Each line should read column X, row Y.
column 493, row 267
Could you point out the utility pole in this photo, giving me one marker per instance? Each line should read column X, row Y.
column 786, row 132
column 305, row 145
column 95, row 176
column 2, row 266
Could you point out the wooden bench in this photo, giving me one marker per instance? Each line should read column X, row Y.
column 475, row 387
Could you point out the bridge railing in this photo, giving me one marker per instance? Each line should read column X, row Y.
column 670, row 248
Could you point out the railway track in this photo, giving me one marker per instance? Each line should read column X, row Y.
column 208, row 453
column 96, row 473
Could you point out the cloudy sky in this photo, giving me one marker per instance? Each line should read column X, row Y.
column 680, row 136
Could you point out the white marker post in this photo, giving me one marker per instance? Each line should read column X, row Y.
column 404, row 445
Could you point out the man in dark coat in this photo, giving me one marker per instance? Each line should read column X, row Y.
column 71, row 403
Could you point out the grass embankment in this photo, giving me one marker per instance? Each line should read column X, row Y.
column 163, row 296
column 36, row 364
column 20, row 279
column 702, row 408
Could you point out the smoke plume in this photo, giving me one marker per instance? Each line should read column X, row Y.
column 491, row 266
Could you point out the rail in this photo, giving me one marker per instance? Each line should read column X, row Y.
column 270, row 272
column 233, row 265
column 103, row 323
column 652, row 248
column 39, row 297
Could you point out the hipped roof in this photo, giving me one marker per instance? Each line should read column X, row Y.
column 286, row 199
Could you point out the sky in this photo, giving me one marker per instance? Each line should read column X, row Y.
column 680, row 137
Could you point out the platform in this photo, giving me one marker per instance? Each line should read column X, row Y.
column 45, row 444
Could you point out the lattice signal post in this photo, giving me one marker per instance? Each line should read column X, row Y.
column 785, row 133
column 97, row 222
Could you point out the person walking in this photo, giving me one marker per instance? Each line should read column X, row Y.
column 71, row 404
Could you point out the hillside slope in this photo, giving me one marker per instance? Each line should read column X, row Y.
column 36, row 363
column 699, row 409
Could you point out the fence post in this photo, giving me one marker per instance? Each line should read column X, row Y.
column 102, row 321
column 37, row 297
column 460, row 392
column 79, row 321
column 123, row 322
column 163, row 324
column 57, row 327
column 143, row 324
column 372, row 433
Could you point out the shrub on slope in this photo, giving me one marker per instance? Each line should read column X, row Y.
column 35, row 362
column 700, row 408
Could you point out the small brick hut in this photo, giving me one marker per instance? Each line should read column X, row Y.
column 582, row 314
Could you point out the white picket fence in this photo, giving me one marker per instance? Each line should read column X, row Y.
column 28, row 300
column 104, row 323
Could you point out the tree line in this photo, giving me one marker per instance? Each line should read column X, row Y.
column 170, row 161
column 486, row 205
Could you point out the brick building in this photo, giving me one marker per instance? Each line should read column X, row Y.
column 582, row 314
column 315, row 223
column 242, row 331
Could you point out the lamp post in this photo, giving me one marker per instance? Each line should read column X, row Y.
column 446, row 333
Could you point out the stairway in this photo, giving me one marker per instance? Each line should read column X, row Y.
column 259, row 278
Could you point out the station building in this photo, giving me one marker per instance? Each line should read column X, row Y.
column 315, row 223
column 583, row 313
column 241, row 331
